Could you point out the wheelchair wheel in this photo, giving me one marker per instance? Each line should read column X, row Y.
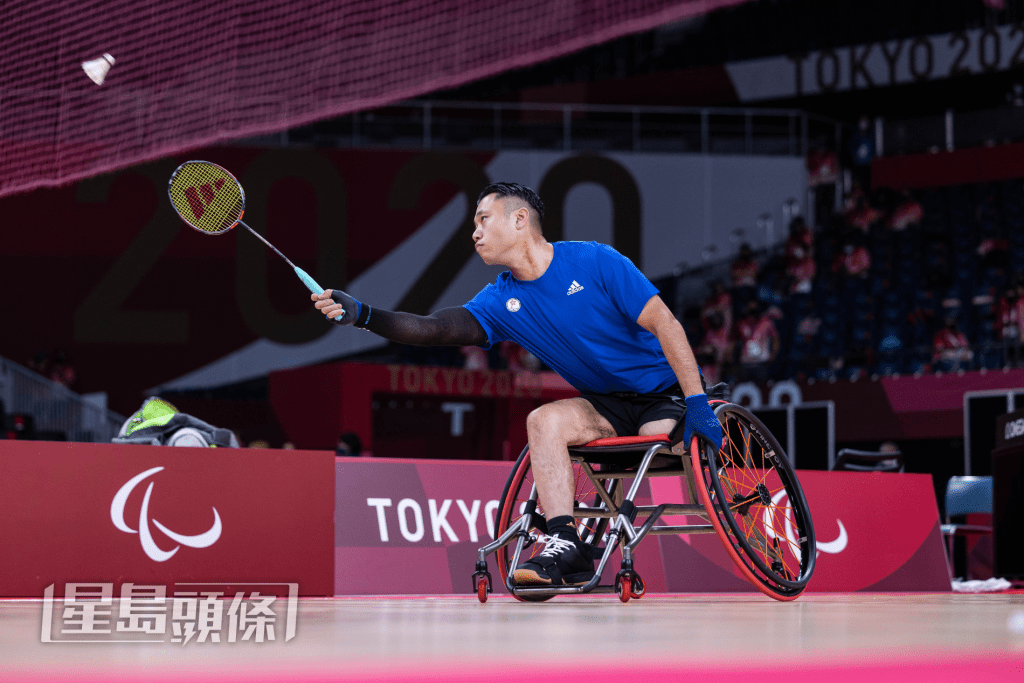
column 513, row 501
column 756, row 505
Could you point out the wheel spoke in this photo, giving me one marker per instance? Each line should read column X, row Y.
column 748, row 478
column 779, row 531
column 732, row 445
column 766, row 475
column 793, row 545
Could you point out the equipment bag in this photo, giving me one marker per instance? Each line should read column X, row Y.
column 159, row 423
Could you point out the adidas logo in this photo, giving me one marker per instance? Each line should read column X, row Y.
column 208, row 193
column 575, row 287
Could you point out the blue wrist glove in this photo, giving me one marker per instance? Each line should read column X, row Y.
column 701, row 421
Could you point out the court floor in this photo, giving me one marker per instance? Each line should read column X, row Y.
column 867, row 637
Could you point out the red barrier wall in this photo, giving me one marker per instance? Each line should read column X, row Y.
column 418, row 525
column 157, row 516
column 92, row 513
column 973, row 165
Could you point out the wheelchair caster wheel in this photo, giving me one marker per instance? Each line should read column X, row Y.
column 482, row 580
column 622, row 588
column 637, row 588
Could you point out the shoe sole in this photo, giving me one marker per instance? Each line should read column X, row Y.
column 528, row 577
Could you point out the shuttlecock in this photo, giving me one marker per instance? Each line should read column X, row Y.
column 97, row 69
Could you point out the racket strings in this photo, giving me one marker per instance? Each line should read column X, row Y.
column 207, row 197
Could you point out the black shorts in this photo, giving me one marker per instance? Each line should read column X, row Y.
column 627, row 411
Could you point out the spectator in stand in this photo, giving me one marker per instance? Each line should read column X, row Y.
column 852, row 199
column 743, row 273
column 822, row 167
column 759, row 342
column 863, row 216
column 800, row 271
column 950, row 348
column 715, row 351
column 994, row 252
column 908, row 213
column 349, row 446
column 853, row 261
column 1011, row 327
column 720, row 303
column 62, row 371
column 801, row 239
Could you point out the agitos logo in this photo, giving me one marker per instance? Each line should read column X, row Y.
column 830, row 547
column 208, row 192
column 149, row 546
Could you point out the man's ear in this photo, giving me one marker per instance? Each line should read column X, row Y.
column 522, row 217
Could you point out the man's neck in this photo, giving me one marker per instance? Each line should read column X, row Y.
column 533, row 260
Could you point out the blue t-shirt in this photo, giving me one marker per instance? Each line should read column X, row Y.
column 579, row 317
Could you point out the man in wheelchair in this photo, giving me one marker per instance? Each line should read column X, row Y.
column 588, row 313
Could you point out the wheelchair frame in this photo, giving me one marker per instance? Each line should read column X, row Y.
column 620, row 511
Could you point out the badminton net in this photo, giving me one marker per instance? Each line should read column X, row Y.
column 190, row 74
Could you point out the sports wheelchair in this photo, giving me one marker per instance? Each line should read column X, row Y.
column 736, row 491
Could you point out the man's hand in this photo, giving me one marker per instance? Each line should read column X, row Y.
column 337, row 306
column 701, row 421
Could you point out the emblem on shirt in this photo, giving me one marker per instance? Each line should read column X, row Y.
column 575, row 287
column 513, row 305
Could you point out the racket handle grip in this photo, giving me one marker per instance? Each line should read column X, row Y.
column 308, row 281
column 314, row 287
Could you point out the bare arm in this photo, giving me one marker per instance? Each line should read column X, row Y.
column 447, row 327
column 659, row 321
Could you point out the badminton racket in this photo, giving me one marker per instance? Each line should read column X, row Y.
column 208, row 198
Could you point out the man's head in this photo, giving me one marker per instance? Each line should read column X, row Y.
column 514, row 197
column 349, row 444
column 507, row 214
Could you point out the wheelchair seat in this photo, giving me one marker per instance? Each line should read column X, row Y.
column 625, row 451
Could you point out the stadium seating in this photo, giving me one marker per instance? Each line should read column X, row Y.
column 918, row 278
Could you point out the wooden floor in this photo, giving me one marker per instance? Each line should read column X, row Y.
column 875, row 636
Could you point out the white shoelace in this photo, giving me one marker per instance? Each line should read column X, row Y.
column 556, row 546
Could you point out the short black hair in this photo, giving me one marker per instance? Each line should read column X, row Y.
column 518, row 191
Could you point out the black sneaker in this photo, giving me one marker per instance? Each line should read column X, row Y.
column 561, row 563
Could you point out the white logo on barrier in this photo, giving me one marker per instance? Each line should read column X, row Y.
column 154, row 552
column 410, row 518
column 1013, row 429
column 831, row 547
